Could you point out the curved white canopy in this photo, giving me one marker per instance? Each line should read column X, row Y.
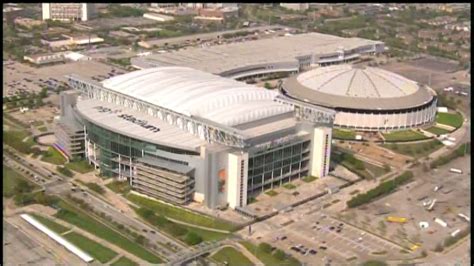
column 193, row 92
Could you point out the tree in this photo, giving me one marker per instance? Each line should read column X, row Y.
column 264, row 247
column 267, row 86
column 192, row 238
column 140, row 240
column 279, row 255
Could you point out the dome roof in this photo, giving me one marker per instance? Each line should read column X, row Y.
column 353, row 87
column 360, row 82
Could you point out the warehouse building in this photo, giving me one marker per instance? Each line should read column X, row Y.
column 182, row 135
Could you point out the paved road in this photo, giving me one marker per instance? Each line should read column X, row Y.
column 147, row 231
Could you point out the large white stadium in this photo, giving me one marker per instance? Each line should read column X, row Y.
column 180, row 134
column 365, row 98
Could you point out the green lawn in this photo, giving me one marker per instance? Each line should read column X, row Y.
column 53, row 156
column 343, row 134
column 376, row 170
column 43, row 129
column 10, row 180
column 268, row 259
column 95, row 187
column 14, row 138
column 289, row 186
column 37, row 123
column 180, row 213
column 96, row 250
column 454, row 120
column 232, row 257
column 85, row 222
column 207, row 235
column 50, row 224
column 416, row 150
column 124, row 261
column 406, row 135
column 119, row 187
column 437, row 130
column 271, row 193
column 81, row 166
column 308, row 179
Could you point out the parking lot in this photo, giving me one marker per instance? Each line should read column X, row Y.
column 20, row 77
column 412, row 201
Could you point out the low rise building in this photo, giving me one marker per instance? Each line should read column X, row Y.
column 158, row 17
column 28, row 22
column 295, row 6
column 66, row 40
column 42, row 59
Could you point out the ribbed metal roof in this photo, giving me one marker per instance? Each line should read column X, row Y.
column 360, row 82
column 349, row 86
column 196, row 93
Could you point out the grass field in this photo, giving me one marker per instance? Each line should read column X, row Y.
column 271, row 193
column 10, row 180
column 289, row 186
column 403, row 136
column 343, row 134
column 180, row 214
column 119, row 187
column 43, row 129
column 454, row 120
column 207, row 235
column 268, row 259
column 15, row 140
column 50, row 224
column 96, row 250
column 85, row 222
column 376, row 170
column 437, row 130
column 124, row 261
column 80, row 166
column 416, row 150
column 308, row 179
column 37, row 123
column 53, row 156
column 232, row 257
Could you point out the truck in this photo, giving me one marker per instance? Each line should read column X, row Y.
column 465, row 217
column 440, row 222
column 453, row 234
column 394, row 219
column 455, row 170
column 432, row 205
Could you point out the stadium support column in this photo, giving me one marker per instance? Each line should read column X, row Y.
column 237, row 179
column 320, row 151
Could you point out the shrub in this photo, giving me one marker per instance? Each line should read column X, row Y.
column 279, row 255
column 439, row 248
column 192, row 238
column 64, row 171
column 264, row 247
column 382, row 189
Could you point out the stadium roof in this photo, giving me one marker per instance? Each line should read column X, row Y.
column 349, row 86
column 221, row 58
column 196, row 93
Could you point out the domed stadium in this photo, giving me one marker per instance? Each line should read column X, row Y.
column 365, row 98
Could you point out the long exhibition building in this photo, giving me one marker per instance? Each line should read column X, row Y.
column 280, row 55
column 181, row 135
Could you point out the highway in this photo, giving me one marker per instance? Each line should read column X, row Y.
column 52, row 183
column 147, row 231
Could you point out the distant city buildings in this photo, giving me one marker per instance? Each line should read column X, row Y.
column 295, row 6
column 68, row 11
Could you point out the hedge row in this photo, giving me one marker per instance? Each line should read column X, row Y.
column 383, row 189
column 459, row 152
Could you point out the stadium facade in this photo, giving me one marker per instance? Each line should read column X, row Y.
column 182, row 135
column 365, row 98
